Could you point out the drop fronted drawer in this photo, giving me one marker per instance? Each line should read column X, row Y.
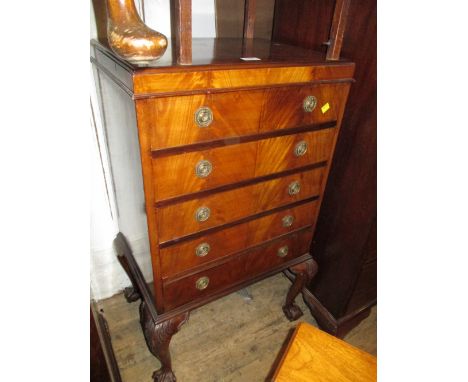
column 181, row 219
column 203, row 170
column 183, row 120
column 302, row 105
column 239, row 268
column 182, row 256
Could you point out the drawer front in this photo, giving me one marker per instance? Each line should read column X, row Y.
column 181, row 257
column 302, row 106
column 237, row 269
column 292, row 151
column 232, row 205
column 228, row 165
column 244, row 161
column 173, row 120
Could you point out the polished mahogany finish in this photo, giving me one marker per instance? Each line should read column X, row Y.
column 234, row 160
column 345, row 239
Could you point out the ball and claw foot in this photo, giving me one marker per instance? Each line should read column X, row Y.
column 292, row 312
column 163, row 376
column 131, row 295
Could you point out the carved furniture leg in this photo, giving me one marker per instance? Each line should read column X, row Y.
column 158, row 336
column 304, row 272
column 121, row 246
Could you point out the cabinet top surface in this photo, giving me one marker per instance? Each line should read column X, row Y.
column 223, row 52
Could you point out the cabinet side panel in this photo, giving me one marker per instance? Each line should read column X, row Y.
column 124, row 158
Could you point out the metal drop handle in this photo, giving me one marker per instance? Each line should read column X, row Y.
column 202, row 282
column 309, row 104
column 283, row 251
column 203, row 116
column 294, row 188
column 202, row 214
column 288, row 221
column 203, row 168
column 202, row 249
column 301, row 148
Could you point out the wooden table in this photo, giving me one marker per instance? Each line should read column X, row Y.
column 313, row 355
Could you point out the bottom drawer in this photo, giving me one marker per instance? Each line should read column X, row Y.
column 237, row 269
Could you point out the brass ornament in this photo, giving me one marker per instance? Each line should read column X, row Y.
column 294, row 188
column 202, row 214
column 128, row 35
column 309, row 104
column 300, row 149
column 288, row 221
column 203, row 116
column 283, row 251
column 202, row 249
column 203, row 168
column 202, row 283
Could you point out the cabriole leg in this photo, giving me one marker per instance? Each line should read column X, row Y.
column 158, row 337
column 304, row 272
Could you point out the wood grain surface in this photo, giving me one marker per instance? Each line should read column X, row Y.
column 240, row 267
column 236, row 163
column 284, row 106
column 146, row 84
column 313, row 355
column 181, row 257
column 172, row 119
column 235, row 204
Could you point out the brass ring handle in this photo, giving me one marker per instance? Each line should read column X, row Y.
column 288, row 221
column 294, row 188
column 203, row 116
column 202, row 249
column 309, row 104
column 301, row 148
column 283, row 251
column 203, row 168
column 202, row 214
column 202, row 283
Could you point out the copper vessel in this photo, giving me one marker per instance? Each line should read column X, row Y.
column 128, row 35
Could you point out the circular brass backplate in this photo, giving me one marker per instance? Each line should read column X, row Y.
column 283, row 251
column 300, row 149
column 203, row 168
column 288, row 221
column 309, row 104
column 202, row 283
column 294, row 188
column 202, row 249
column 203, row 116
column 202, row 214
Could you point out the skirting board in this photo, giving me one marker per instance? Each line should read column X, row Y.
column 326, row 321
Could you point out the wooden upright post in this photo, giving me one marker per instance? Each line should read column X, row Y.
column 181, row 20
column 249, row 18
column 337, row 29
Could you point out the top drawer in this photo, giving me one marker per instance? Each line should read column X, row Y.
column 178, row 121
column 302, row 106
column 184, row 120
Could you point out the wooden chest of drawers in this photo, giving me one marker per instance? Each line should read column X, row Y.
column 232, row 158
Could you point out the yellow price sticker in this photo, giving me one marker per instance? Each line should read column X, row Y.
column 325, row 108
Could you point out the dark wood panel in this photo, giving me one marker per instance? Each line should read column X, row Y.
column 365, row 289
column 237, row 269
column 349, row 206
column 304, row 23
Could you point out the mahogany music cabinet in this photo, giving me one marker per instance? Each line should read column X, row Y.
column 226, row 145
